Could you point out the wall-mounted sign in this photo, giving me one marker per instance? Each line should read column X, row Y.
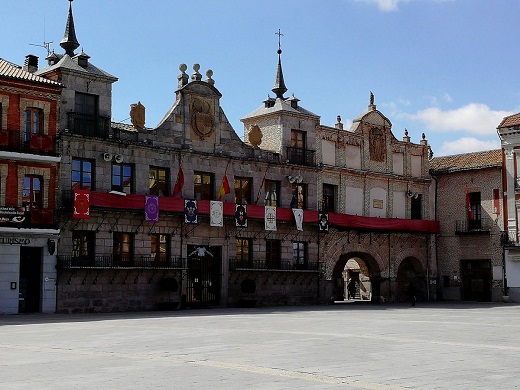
column 14, row 241
column 12, row 215
column 377, row 204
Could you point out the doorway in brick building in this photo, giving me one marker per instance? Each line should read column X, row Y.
column 30, row 283
column 476, row 277
column 355, row 278
column 204, row 276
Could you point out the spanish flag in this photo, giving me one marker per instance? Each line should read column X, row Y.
column 224, row 188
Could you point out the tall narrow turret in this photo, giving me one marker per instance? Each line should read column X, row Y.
column 69, row 42
column 279, row 85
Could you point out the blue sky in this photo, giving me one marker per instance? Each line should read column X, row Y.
column 446, row 68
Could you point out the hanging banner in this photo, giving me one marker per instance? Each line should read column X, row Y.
column 298, row 218
column 323, row 222
column 81, row 204
column 190, row 211
column 270, row 218
column 151, row 208
column 241, row 215
column 216, row 213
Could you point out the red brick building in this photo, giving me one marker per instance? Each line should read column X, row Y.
column 29, row 109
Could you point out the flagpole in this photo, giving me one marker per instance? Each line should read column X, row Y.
column 261, row 185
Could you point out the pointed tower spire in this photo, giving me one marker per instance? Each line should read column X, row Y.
column 279, row 85
column 69, row 42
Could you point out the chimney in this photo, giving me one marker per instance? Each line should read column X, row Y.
column 31, row 63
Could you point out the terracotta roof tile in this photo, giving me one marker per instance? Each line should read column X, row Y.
column 12, row 71
column 509, row 121
column 466, row 161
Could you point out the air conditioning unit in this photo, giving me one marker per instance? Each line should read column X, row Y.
column 107, row 156
column 118, row 158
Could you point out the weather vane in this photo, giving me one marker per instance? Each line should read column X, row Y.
column 280, row 35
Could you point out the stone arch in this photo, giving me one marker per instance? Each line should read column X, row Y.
column 363, row 269
column 411, row 280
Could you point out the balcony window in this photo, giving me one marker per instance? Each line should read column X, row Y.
column 299, row 253
column 160, row 247
column 86, row 104
column 82, row 174
column 203, row 186
column 416, row 206
column 328, row 200
column 273, row 254
column 33, row 123
column 272, row 193
column 243, row 190
column 83, row 244
column 122, row 178
column 475, row 217
column 123, row 247
column 158, row 184
column 243, row 250
column 32, row 192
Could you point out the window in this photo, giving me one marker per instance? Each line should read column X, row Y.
column 83, row 244
column 272, row 254
column 1, row 117
column 158, row 181
column 33, row 123
column 244, row 251
column 416, row 210
column 299, row 254
column 272, row 192
column 123, row 249
column 296, row 153
column 298, row 139
column 203, row 186
column 32, row 192
column 160, row 247
column 299, row 196
column 243, row 190
column 82, row 174
column 476, row 212
column 122, row 178
column 328, row 200
column 86, row 104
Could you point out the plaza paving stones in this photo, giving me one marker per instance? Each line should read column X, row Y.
column 349, row 346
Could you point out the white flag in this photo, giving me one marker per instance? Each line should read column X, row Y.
column 270, row 218
column 298, row 217
column 216, row 213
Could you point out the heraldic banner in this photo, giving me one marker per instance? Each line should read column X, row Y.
column 151, row 208
column 190, row 211
column 216, row 213
column 270, row 218
column 81, row 204
column 298, row 218
column 241, row 215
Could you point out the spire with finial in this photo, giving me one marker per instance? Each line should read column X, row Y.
column 279, row 85
column 69, row 42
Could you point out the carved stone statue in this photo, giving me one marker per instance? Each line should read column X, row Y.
column 137, row 115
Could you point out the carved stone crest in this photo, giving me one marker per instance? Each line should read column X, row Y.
column 255, row 135
column 201, row 118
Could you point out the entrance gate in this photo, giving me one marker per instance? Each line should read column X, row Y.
column 476, row 280
column 30, row 280
column 204, row 276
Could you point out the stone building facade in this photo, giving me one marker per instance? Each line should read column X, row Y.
column 29, row 107
column 469, row 208
column 509, row 133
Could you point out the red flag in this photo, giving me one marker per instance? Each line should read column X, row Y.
column 180, row 182
column 468, row 206
column 81, row 204
column 224, row 188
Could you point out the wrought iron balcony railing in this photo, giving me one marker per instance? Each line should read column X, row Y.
column 123, row 261
column 301, row 156
column 11, row 141
column 483, row 225
column 235, row 264
column 88, row 125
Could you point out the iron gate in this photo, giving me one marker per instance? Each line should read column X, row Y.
column 204, row 276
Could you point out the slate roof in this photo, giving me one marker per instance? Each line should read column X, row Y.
column 13, row 71
column 66, row 62
column 510, row 121
column 466, row 161
column 279, row 106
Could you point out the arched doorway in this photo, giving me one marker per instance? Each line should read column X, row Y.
column 358, row 270
column 411, row 280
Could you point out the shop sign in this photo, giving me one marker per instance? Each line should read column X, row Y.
column 14, row 241
column 12, row 215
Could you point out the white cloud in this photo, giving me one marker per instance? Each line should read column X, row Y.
column 474, row 118
column 466, row 145
column 385, row 5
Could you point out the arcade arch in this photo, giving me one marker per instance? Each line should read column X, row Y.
column 362, row 270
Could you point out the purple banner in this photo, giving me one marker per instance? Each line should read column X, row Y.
column 151, row 208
